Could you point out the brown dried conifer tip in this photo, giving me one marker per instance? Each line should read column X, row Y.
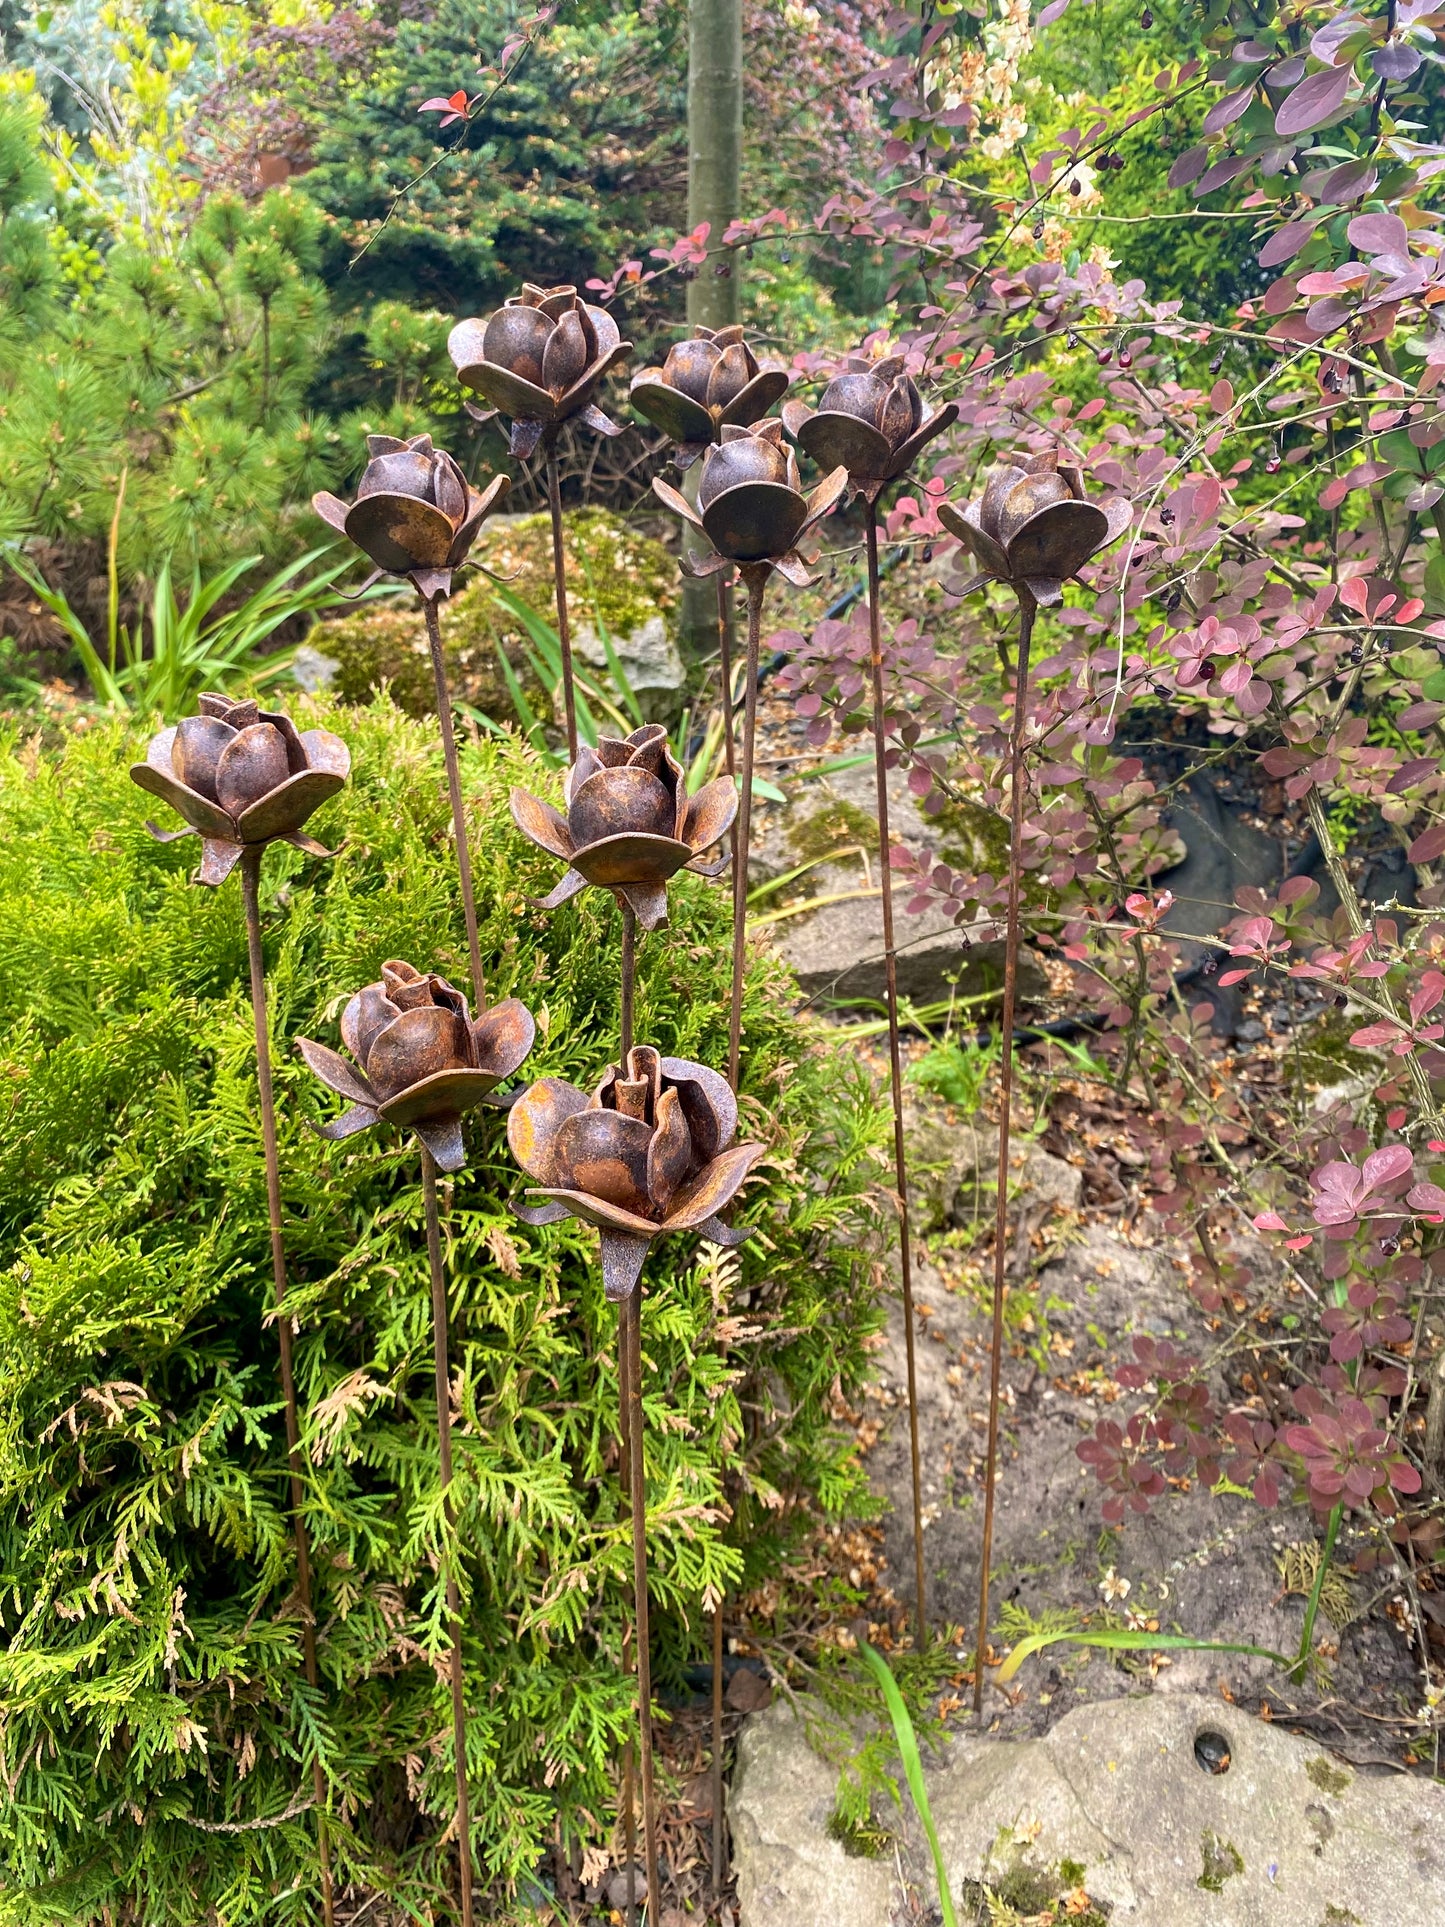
column 870, row 420
column 709, row 382
column 751, row 504
column 415, row 513
column 422, row 1059
column 241, row 776
column 630, row 823
column 648, row 1152
column 1033, row 527
column 540, row 360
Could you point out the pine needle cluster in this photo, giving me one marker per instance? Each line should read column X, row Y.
column 155, row 1728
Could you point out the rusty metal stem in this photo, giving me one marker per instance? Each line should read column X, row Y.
column 444, row 1450
column 719, row 1831
column 629, row 1757
column 629, row 979
column 454, row 790
column 895, row 1058
column 631, row 1319
column 564, row 627
column 725, row 662
column 251, row 897
column 756, row 578
column 1027, row 609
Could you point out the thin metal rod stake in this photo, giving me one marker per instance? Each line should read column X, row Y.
column 629, row 977
column 725, row 662
column 444, row 1449
column 454, row 790
column 251, row 897
column 629, row 1757
column 756, row 578
column 1027, row 610
column 559, row 577
column 895, row 1057
column 719, row 1832
column 631, row 1319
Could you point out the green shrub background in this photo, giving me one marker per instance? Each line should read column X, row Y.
column 154, row 1729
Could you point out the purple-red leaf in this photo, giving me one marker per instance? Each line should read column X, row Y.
column 1316, row 100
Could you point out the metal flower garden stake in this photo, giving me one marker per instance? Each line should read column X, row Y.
column 871, row 421
column 540, row 360
column 416, row 515
column 241, row 778
column 709, row 382
column 649, row 1152
column 753, row 511
column 1031, row 529
column 421, row 1061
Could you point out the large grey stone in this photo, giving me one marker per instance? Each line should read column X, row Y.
column 837, row 949
column 1112, row 1800
column 790, row 1871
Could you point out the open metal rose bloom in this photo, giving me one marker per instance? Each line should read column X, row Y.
column 423, row 1058
column 710, row 382
column 240, row 775
column 539, row 359
column 1033, row 527
column 648, row 1152
column 751, row 504
column 870, row 420
column 630, row 823
column 415, row 513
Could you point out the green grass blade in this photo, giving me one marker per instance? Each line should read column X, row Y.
column 1122, row 1642
column 913, row 1771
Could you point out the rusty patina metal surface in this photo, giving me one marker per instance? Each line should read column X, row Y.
column 241, row 776
column 539, row 360
column 870, row 420
column 630, row 823
column 1033, row 527
column 709, row 382
column 648, row 1152
column 751, row 504
column 423, row 1059
column 415, row 513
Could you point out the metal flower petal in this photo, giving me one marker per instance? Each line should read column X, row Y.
column 422, row 1062
column 1033, row 527
column 540, row 359
column 239, row 776
column 415, row 514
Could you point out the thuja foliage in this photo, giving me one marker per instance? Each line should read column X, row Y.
column 156, row 1737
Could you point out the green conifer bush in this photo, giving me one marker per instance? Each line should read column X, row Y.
column 155, row 1729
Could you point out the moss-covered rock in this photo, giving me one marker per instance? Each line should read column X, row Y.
column 626, row 579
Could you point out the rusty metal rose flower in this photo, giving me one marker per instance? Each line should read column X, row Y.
column 1033, row 527
column 869, row 420
column 650, row 1151
column 710, row 382
column 750, row 502
column 415, row 513
column 423, row 1058
column 630, row 823
column 239, row 774
column 540, row 359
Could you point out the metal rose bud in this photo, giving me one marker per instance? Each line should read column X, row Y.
column 241, row 775
column 423, row 1058
column 539, row 359
column 630, row 823
column 1033, row 527
column 648, row 1152
column 710, row 382
column 869, row 420
column 415, row 513
column 751, row 504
